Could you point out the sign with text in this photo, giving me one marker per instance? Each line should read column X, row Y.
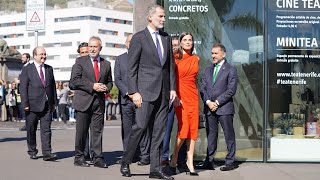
column 35, row 15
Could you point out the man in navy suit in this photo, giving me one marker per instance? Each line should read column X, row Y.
column 38, row 98
column 151, row 84
column 128, row 108
column 218, row 86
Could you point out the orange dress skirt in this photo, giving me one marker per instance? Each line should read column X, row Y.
column 188, row 113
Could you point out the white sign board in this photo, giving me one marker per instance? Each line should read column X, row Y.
column 35, row 15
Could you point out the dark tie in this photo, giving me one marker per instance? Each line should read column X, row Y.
column 42, row 76
column 215, row 73
column 158, row 48
column 96, row 69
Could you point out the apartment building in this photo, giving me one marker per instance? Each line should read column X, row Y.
column 65, row 29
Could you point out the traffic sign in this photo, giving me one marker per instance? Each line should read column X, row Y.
column 35, row 15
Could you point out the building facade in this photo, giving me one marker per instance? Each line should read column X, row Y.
column 274, row 44
column 65, row 29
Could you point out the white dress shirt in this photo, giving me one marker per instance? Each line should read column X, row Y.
column 153, row 35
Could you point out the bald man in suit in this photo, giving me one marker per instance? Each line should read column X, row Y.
column 38, row 99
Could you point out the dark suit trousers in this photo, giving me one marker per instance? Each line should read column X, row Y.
column 32, row 119
column 153, row 115
column 128, row 113
column 226, row 122
column 92, row 117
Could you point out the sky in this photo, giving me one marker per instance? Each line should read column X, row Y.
column 131, row 1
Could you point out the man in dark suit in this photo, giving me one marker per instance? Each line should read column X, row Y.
column 128, row 108
column 38, row 98
column 151, row 84
column 91, row 78
column 25, row 59
column 218, row 86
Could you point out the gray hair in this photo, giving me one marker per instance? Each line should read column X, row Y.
column 95, row 38
column 152, row 9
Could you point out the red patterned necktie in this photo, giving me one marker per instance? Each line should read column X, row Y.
column 96, row 69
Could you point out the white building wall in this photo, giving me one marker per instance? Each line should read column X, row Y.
column 87, row 28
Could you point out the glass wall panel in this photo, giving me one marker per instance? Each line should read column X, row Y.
column 238, row 24
column 293, row 58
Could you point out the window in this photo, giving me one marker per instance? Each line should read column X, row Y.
column 19, row 23
column 77, row 18
column 63, row 44
column 53, row 57
column 41, row 33
column 107, row 32
column 68, row 31
column 118, row 21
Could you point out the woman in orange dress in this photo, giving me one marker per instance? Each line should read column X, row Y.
column 186, row 105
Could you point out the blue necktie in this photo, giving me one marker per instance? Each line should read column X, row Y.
column 158, row 48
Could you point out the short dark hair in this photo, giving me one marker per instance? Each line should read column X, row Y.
column 221, row 46
column 83, row 44
column 27, row 55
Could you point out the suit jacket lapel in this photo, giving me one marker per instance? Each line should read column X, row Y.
column 165, row 47
column 211, row 74
column 89, row 65
column 34, row 68
column 102, row 68
column 221, row 71
column 151, row 43
column 46, row 74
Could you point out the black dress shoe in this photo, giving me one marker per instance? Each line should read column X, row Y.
column 206, row 165
column 100, row 164
column 159, row 175
column 125, row 169
column 227, row 168
column 81, row 162
column 192, row 173
column 88, row 158
column 142, row 163
column 34, row 157
column 50, row 157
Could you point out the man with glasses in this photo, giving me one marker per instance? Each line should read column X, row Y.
column 38, row 98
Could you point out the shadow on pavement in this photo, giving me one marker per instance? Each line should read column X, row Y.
column 13, row 139
column 112, row 157
column 64, row 154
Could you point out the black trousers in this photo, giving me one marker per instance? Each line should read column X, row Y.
column 226, row 121
column 128, row 113
column 153, row 115
column 93, row 118
column 32, row 119
column 63, row 112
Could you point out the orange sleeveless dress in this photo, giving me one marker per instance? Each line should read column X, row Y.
column 188, row 113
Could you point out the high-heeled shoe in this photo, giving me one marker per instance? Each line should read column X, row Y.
column 192, row 173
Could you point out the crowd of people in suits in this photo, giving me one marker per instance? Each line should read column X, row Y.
column 156, row 79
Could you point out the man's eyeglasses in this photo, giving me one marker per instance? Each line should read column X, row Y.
column 42, row 54
column 84, row 52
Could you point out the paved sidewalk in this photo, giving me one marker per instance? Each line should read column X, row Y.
column 16, row 165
